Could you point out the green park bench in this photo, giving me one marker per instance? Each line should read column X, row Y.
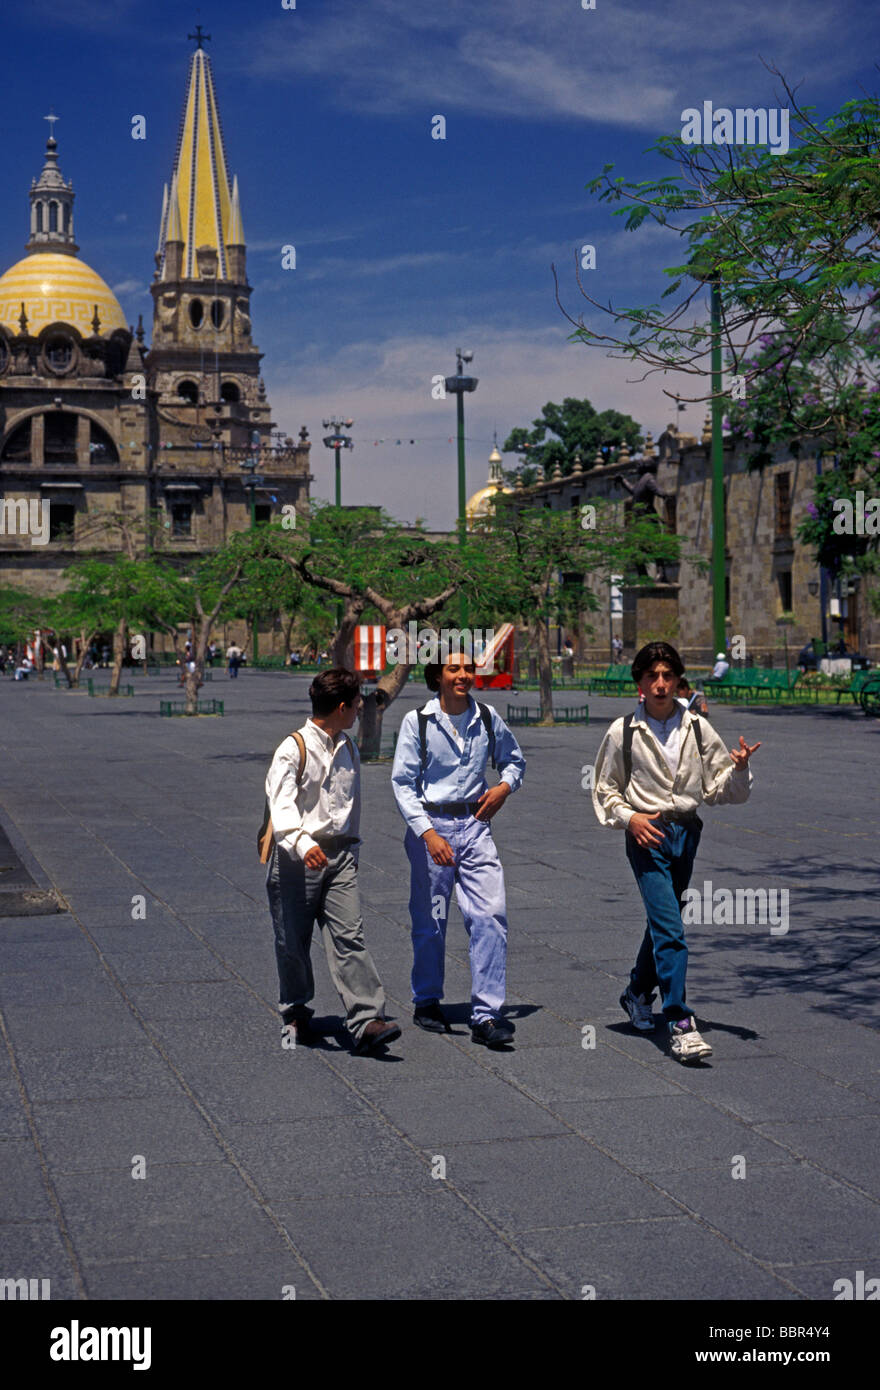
column 869, row 695
column 857, row 685
column 616, row 680
column 170, row 708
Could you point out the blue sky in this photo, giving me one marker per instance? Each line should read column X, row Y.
column 407, row 247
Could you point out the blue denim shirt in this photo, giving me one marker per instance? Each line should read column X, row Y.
column 451, row 773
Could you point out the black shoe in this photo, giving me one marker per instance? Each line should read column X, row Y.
column 492, row 1032
column 377, row 1034
column 432, row 1018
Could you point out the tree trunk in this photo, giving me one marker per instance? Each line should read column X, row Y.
column 545, row 670
column 387, row 690
column 340, row 647
column 86, row 640
column 118, row 656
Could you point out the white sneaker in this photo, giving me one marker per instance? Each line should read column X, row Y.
column 641, row 1014
column 685, row 1042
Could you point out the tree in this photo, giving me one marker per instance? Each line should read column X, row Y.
column 792, row 239
column 526, row 549
column 362, row 557
column 576, row 428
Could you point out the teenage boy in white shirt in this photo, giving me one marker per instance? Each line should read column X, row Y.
column 652, row 772
column 315, row 819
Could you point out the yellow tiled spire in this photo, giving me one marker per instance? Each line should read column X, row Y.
column 203, row 206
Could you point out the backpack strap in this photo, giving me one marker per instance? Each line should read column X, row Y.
column 628, row 732
column 265, row 834
column 486, row 716
column 423, row 717
column 301, row 745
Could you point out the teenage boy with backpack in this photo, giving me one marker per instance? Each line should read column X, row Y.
column 653, row 770
column 310, row 840
column 439, row 782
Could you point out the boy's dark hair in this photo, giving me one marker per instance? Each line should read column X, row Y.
column 683, row 683
column 656, row 651
column 433, row 669
column 333, row 688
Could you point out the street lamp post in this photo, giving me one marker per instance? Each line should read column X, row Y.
column 719, row 627
column 251, row 481
column 336, row 441
column 457, row 385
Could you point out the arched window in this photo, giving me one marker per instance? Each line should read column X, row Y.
column 101, row 446
column 230, row 391
column 196, row 312
column 59, row 352
column 39, row 222
column 53, row 217
column 218, row 312
column 67, row 217
column 17, row 448
column 188, row 391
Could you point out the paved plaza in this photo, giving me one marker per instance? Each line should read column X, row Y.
column 140, row 1036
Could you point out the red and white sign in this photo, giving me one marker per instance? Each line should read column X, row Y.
column 369, row 647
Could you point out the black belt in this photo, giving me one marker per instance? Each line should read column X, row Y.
column 332, row 843
column 680, row 818
column 450, row 808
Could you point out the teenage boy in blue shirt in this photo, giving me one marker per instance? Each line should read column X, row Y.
column 439, row 782
column 653, row 770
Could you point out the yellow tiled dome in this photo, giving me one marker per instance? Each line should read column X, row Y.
column 56, row 288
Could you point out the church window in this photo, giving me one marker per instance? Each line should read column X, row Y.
column 181, row 519
column 62, row 517
column 101, row 446
column 17, row 448
column 67, row 217
column 39, row 222
column 59, row 439
column 188, row 391
column 59, row 353
column 196, row 312
column 53, row 217
column 230, row 391
column 218, row 312
column 4, row 354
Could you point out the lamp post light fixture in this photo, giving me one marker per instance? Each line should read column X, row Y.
column 336, row 441
column 458, row 385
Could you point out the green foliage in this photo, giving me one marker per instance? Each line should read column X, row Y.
column 574, row 427
column 793, row 239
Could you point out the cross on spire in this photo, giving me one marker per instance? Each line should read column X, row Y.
column 51, row 118
column 198, row 36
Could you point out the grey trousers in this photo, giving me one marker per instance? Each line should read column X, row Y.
column 298, row 898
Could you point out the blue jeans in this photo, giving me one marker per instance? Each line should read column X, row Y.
column 663, row 873
column 479, row 889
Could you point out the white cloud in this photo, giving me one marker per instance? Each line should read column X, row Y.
column 632, row 65
column 385, row 387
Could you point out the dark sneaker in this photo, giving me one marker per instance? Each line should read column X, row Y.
column 377, row 1034
column 432, row 1018
column 492, row 1032
column 298, row 1032
column 641, row 1015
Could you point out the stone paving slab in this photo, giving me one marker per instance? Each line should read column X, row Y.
column 566, row 1165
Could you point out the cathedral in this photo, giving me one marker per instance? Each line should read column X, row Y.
column 112, row 433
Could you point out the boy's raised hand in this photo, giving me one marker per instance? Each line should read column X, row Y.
column 742, row 754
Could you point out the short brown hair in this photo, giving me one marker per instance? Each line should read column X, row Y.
column 656, row 651
column 333, row 688
column 433, row 668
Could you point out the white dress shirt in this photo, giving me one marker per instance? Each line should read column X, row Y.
column 328, row 798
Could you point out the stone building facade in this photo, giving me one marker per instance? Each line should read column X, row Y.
column 95, row 422
column 775, row 592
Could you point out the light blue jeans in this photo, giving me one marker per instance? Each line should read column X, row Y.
column 479, row 890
